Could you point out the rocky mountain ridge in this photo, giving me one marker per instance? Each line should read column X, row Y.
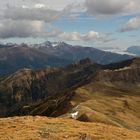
column 84, row 90
column 14, row 57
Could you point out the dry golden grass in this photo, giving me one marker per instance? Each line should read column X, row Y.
column 43, row 128
column 109, row 104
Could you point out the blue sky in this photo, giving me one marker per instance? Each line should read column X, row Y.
column 109, row 26
column 106, row 24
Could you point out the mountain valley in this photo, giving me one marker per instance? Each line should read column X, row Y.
column 85, row 91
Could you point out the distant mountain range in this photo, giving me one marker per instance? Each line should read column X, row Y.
column 134, row 50
column 14, row 57
column 50, row 54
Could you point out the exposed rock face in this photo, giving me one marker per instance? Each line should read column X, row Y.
column 27, row 86
column 127, row 73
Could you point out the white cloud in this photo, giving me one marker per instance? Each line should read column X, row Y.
column 132, row 24
column 35, row 28
column 10, row 28
column 52, row 4
column 92, row 35
column 39, row 5
column 36, row 13
column 72, row 36
column 28, row 18
column 112, row 7
column 89, row 36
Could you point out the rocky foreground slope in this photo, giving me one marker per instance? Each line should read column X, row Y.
column 43, row 128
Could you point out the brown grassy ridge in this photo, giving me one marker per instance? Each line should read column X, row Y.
column 109, row 104
column 43, row 128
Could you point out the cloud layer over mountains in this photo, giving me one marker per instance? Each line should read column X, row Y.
column 29, row 18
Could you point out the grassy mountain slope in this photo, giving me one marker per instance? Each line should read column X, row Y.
column 43, row 128
column 95, row 93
